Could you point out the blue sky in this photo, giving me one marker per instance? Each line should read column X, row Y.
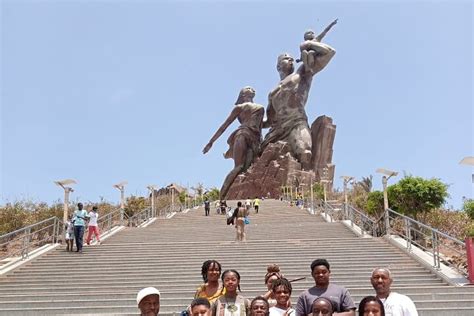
column 105, row 91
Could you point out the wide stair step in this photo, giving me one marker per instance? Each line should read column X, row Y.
column 169, row 253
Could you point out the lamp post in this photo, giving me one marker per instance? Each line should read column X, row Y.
column 469, row 161
column 121, row 187
column 302, row 192
column 387, row 174
column 324, row 182
column 346, row 180
column 312, row 197
column 63, row 184
column 152, row 188
column 172, row 197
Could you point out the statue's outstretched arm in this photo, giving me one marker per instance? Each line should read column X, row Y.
column 233, row 115
column 326, row 30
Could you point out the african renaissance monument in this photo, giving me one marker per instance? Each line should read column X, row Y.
column 292, row 153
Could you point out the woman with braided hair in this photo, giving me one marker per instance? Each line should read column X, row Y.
column 211, row 289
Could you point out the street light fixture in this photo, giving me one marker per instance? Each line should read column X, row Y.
column 469, row 161
column 387, row 174
column 325, row 182
column 152, row 188
column 63, row 184
column 121, row 187
column 346, row 180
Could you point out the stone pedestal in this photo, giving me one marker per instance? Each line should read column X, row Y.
column 323, row 132
column 276, row 167
column 272, row 170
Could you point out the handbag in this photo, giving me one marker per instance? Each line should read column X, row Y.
column 246, row 220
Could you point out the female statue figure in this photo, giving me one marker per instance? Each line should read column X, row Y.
column 244, row 143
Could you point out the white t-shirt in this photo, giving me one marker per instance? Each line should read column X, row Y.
column 275, row 311
column 93, row 216
column 399, row 305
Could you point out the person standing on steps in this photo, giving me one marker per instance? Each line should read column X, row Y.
column 69, row 227
column 282, row 292
column 79, row 219
column 259, row 307
column 207, row 206
column 200, row 307
column 148, row 300
column 232, row 303
column 323, row 306
column 320, row 270
column 256, row 204
column 240, row 215
column 211, row 289
column 371, row 306
column 395, row 304
column 273, row 274
column 93, row 227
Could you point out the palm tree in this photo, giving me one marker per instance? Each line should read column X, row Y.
column 366, row 183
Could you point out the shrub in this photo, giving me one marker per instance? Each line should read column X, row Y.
column 468, row 208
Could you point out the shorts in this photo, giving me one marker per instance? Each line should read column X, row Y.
column 69, row 236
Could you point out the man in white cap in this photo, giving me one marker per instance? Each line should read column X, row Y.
column 148, row 300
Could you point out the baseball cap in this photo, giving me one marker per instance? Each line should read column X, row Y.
column 145, row 292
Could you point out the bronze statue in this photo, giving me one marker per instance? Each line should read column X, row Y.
column 244, row 143
column 307, row 49
column 286, row 114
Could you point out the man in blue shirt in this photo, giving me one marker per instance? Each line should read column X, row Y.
column 79, row 220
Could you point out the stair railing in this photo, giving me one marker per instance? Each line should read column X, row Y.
column 22, row 241
column 330, row 211
column 140, row 217
column 108, row 221
column 429, row 239
column 366, row 224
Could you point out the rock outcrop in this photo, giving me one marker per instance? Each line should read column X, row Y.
column 272, row 170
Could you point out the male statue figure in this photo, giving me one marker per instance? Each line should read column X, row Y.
column 286, row 115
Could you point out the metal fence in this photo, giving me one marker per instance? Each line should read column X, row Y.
column 440, row 246
column 22, row 241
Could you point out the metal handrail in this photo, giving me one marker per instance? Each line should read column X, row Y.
column 140, row 217
column 429, row 239
column 331, row 211
column 363, row 221
column 22, row 241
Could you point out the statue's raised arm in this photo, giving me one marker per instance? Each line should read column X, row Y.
column 311, row 49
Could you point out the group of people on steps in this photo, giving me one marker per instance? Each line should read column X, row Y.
column 220, row 295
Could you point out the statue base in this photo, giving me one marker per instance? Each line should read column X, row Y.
column 274, row 169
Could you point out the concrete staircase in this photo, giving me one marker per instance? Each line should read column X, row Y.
column 168, row 254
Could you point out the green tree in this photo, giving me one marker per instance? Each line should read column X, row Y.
column 366, row 183
column 468, row 208
column 182, row 196
column 135, row 204
column 318, row 191
column 14, row 216
column 213, row 194
column 374, row 204
column 415, row 195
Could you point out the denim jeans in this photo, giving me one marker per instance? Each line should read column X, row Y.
column 78, row 235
